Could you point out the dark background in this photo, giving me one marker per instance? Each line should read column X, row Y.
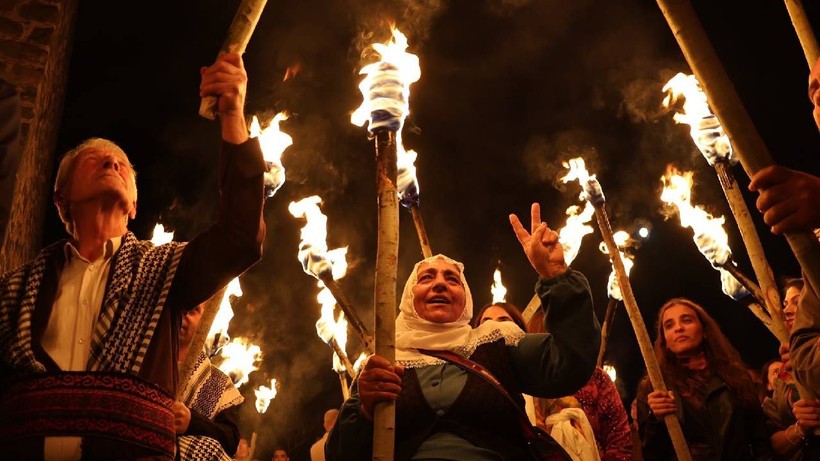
column 508, row 89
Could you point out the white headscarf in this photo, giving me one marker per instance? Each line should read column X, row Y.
column 414, row 332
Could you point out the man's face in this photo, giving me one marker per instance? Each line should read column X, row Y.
column 190, row 323
column 280, row 455
column 103, row 173
column 438, row 295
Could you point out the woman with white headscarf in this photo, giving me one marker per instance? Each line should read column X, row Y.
column 444, row 413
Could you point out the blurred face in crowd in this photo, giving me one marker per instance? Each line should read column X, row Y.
column 497, row 313
column 280, row 455
column 682, row 330
column 771, row 374
column 189, row 325
column 438, row 295
column 790, row 306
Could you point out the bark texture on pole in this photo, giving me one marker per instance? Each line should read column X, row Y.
column 532, row 306
column 426, row 250
column 345, row 385
column 802, row 27
column 239, row 34
column 726, row 104
column 760, row 266
column 645, row 344
column 198, row 341
column 384, row 418
column 606, row 327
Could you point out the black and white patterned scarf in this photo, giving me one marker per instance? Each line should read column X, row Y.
column 134, row 298
column 208, row 391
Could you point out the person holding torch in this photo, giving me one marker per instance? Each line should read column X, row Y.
column 444, row 412
column 710, row 390
column 93, row 321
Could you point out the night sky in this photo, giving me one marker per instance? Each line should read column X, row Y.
column 509, row 88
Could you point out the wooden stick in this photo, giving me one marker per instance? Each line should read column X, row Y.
column 532, row 306
column 747, row 283
column 350, row 313
column 342, row 356
column 198, row 341
column 645, row 344
column 747, row 143
column 606, row 327
column 345, row 385
column 384, row 418
column 767, row 294
column 239, row 34
column 421, row 231
column 805, row 34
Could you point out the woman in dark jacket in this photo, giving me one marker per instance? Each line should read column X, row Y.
column 710, row 391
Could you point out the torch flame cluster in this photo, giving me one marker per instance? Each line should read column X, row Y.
column 622, row 240
column 704, row 126
column 264, row 395
column 709, row 235
column 386, row 93
column 572, row 234
column 273, row 143
column 317, row 259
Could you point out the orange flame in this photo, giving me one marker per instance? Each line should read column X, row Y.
column 498, row 289
column 240, row 358
column 160, row 237
column 225, row 313
column 264, row 395
column 704, row 127
column 709, row 235
column 313, row 252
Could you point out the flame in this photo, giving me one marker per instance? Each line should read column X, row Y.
column 498, row 289
column 313, row 253
column 704, row 126
column 386, row 85
column 273, row 143
column 160, row 237
column 357, row 365
column 264, row 395
column 576, row 227
column 590, row 188
column 224, row 314
column 610, row 370
column 239, row 360
column 622, row 241
column 292, row 71
column 709, row 235
column 386, row 103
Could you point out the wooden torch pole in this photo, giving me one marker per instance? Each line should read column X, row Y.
column 645, row 344
column 421, row 231
column 747, row 143
column 606, row 327
column 802, row 27
column 347, row 308
column 239, row 34
column 384, row 418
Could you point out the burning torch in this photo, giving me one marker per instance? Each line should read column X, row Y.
column 713, row 242
column 707, row 133
column 621, row 239
column 264, row 395
column 273, row 143
column 570, row 236
column 498, row 290
column 593, row 192
column 318, row 261
column 386, row 91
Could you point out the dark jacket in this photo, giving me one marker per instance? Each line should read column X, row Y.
column 739, row 432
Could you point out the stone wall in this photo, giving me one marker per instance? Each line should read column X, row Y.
column 35, row 44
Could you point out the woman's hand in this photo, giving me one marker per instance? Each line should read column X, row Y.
column 379, row 381
column 540, row 245
column 661, row 403
column 807, row 413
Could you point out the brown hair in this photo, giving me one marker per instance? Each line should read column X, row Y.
column 722, row 358
column 510, row 308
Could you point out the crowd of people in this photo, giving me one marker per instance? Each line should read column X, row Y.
column 93, row 331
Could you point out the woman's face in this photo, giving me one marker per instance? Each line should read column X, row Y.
column 438, row 295
column 771, row 374
column 682, row 329
column 497, row 313
column 790, row 303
